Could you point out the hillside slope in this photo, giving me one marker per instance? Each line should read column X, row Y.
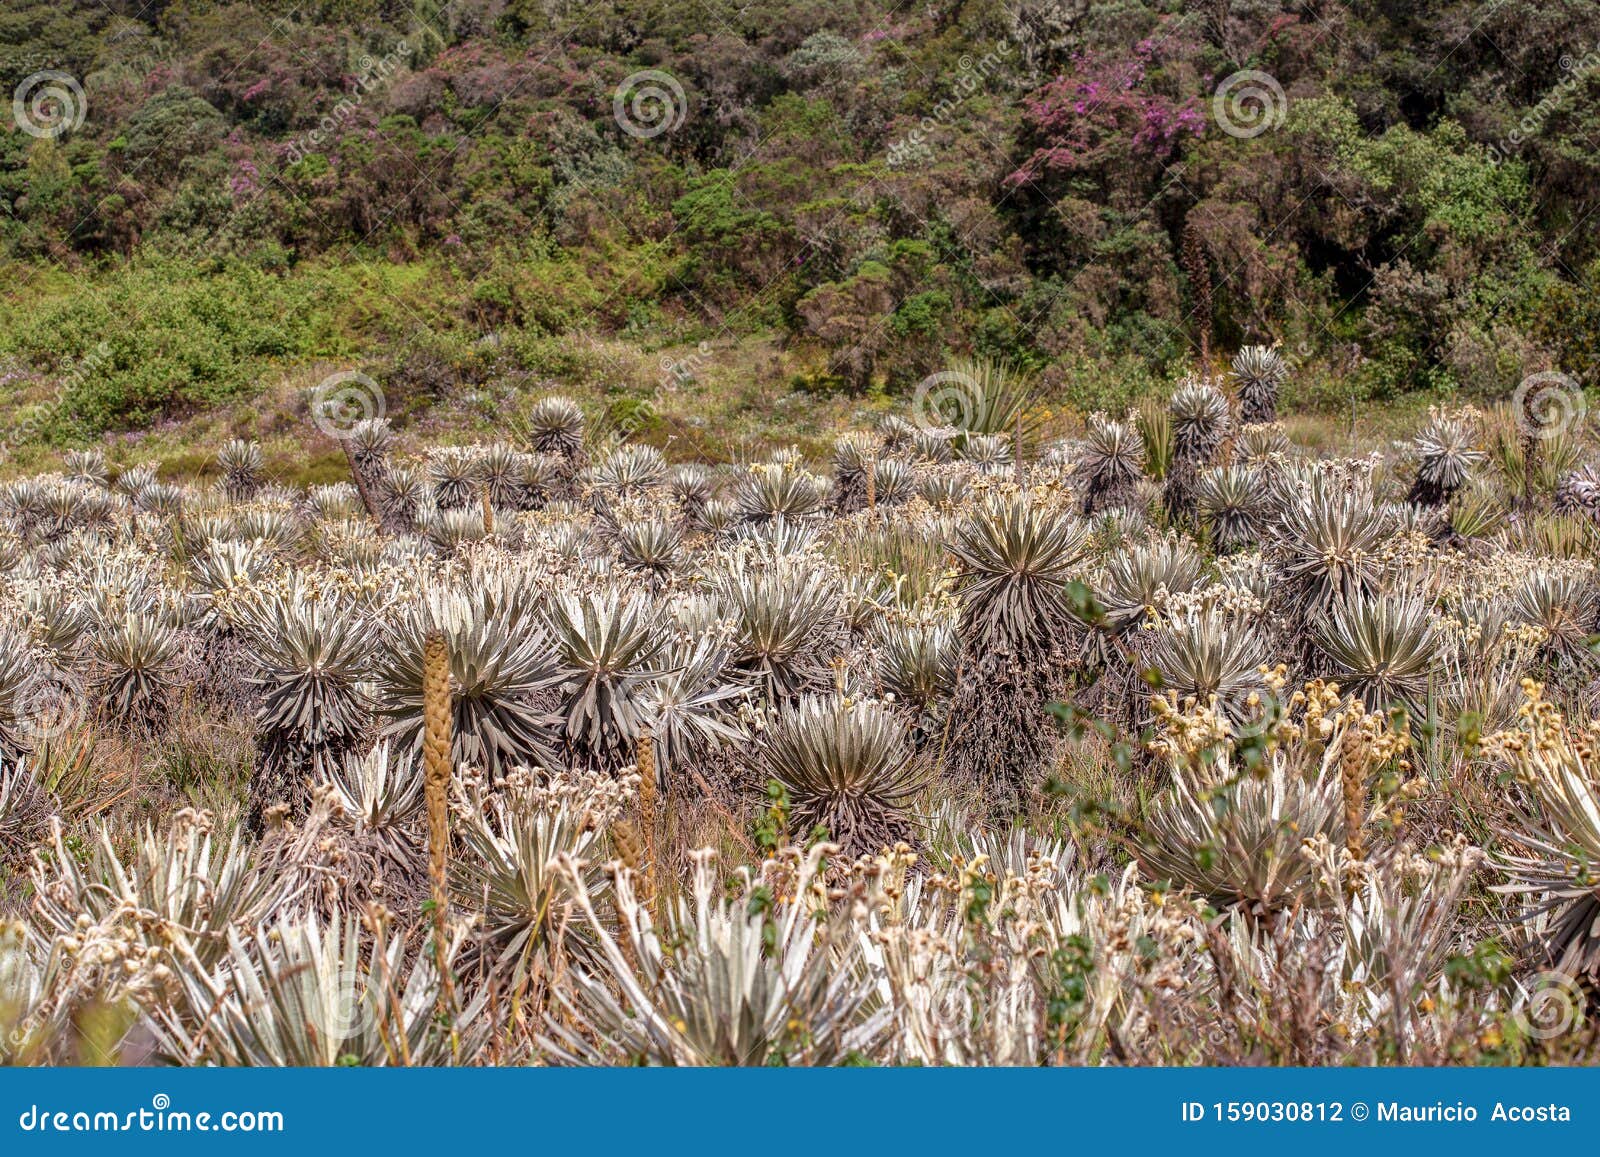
column 812, row 206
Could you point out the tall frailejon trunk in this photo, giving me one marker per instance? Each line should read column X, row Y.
column 363, row 487
column 436, row 760
column 1194, row 265
column 1530, row 467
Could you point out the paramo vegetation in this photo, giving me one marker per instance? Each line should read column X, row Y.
column 1170, row 744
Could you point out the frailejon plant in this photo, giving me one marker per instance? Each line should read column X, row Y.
column 849, row 770
column 500, row 660
column 992, row 781
column 1259, row 372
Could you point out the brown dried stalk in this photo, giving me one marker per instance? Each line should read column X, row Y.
column 625, row 841
column 1193, row 259
column 1016, row 450
column 436, row 786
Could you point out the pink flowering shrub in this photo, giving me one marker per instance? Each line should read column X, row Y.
column 1108, row 113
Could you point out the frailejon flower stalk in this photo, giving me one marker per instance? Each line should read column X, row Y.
column 436, row 785
column 647, row 812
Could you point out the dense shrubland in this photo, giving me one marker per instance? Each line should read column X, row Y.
column 447, row 192
column 1169, row 744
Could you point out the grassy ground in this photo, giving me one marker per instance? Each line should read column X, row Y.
column 730, row 400
column 165, row 359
